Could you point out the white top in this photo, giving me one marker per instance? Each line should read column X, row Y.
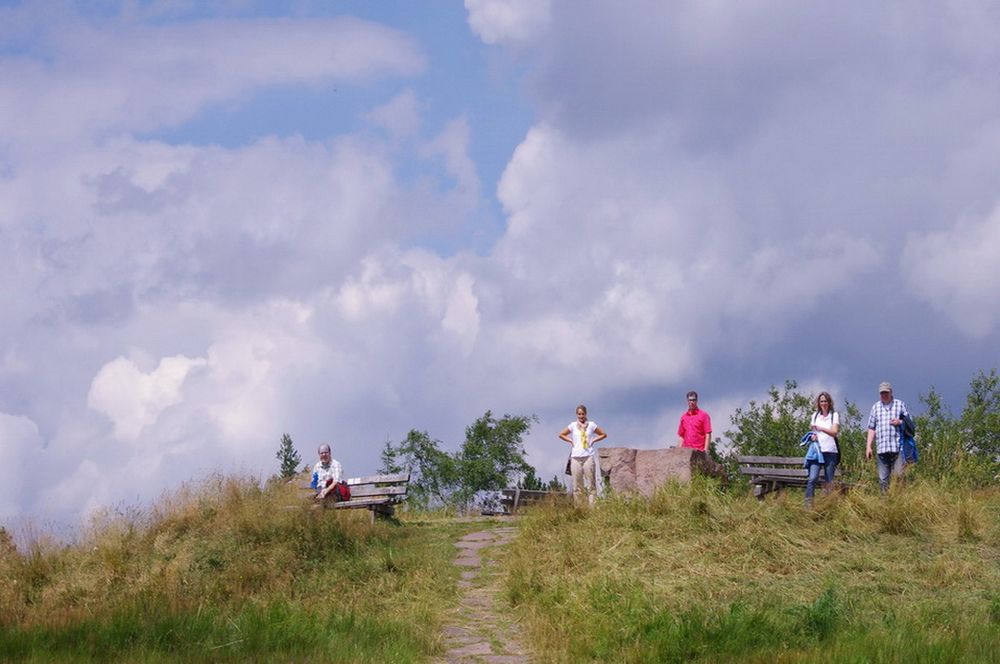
column 826, row 441
column 582, row 435
column 323, row 473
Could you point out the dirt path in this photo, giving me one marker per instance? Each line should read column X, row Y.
column 477, row 632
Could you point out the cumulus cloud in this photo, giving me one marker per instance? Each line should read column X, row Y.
column 21, row 463
column 508, row 21
column 114, row 77
column 133, row 399
column 400, row 116
column 958, row 272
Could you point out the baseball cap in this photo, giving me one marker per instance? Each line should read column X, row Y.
column 884, row 386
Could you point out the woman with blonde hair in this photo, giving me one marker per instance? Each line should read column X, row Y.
column 583, row 434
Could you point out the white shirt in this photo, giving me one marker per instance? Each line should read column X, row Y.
column 826, row 441
column 321, row 474
column 582, row 438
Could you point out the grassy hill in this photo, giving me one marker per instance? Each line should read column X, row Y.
column 696, row 574
column 228, row 571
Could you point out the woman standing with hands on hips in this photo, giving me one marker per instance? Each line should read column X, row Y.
column 825, row 427
column 583, row 435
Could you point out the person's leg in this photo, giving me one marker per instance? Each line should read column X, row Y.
column 576, row 467
column 830, row 469
column 898, row 465
column 814, row 469
column 889, row 465
column 884, row 465
column 589, row 480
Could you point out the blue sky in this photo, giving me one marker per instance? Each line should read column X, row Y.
column 225, row 221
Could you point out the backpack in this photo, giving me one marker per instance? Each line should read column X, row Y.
column 341, row 492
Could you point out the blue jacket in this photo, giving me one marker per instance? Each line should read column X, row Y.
column 813, row 454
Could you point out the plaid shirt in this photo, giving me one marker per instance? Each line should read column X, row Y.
column 886, row 435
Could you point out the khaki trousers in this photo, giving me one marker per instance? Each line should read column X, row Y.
column 584, row 480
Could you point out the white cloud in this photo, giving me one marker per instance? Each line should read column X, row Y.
column 22, row 464
column 400, row 116
column 134, row 399
column 452, row 144
column 508, row 21
column 135, row 77
column 958, row 272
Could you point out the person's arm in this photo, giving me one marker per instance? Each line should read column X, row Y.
column 680, row 432
column 834, row 427
column 868, row 444
column 708, row 432
column 338, row 471
column 600, row 435
column 564, row 435
column 896, row 421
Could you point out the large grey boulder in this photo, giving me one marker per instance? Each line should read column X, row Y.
column 629, row 470
column 618, row 467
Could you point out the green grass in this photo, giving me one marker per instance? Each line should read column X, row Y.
column 229, row 571
column 699, row 575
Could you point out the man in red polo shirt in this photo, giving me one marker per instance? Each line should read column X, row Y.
column 695, row 429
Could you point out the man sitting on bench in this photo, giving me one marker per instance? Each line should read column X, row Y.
column 326, row 473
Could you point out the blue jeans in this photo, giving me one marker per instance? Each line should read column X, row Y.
column 888, row 464
column 829, row 467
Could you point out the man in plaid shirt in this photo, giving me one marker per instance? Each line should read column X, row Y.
column 883, row 430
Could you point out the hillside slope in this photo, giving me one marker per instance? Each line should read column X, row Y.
column 696, row 574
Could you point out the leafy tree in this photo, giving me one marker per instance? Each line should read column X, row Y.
column 433, row 472
column 531, row 482
column 963, row 450
column 491, row 458
column 981, row 416
column 288, row 456
column 555, row 484
column 492, row 455
column 775, row 426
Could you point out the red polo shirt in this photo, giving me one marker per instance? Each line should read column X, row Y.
column 693, row 428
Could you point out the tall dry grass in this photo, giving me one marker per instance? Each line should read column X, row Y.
column 697, row 574
column 226, row 569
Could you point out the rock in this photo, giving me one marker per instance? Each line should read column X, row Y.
column 630, row 470
column 618, row 468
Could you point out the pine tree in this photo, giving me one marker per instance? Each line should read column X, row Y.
column 288, row 456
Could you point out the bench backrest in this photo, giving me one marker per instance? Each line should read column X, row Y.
column 775, row 467
column 371, row 489
column 769, row 460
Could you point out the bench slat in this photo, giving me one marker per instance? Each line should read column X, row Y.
column 394, row 478
column 778, row 472
column 369, row 490
column 780, row 460
column 775, row 472
column 360, row 502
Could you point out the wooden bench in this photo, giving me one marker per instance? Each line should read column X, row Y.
column 773, row 473
column 514, row 498
column 378, row 493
